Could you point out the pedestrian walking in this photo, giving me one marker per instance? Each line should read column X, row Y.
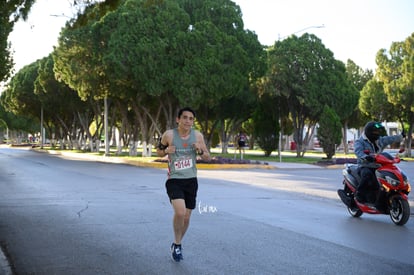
column 241, row 140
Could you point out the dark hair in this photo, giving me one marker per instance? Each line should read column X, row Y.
column 185, row 109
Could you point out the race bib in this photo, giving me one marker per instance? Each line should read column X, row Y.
column 182, row 164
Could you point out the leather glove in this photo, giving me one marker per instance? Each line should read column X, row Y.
column 369, row 158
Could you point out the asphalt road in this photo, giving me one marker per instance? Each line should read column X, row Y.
column 60, row 216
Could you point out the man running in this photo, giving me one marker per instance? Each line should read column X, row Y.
column 182, row 145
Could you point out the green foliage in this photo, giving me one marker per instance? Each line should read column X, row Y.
column 143, row 56
column 329, row 131
column 215, row 139
column 221, row 58
column 78, row 62
column 359, row 79
column 308, row 76
column 374, row 102
column 19, row 97
column 18, row 123
column 10, row 12
column 52, row 94
column 266, row 125
column 396, row 72
column 222, row 62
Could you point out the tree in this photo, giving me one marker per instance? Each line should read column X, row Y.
column 20, row 100
column 144, row 62
column 306, row 74
column 78, row 63
column 230, row 115
column 62, row 106
column 221, row 62
column 15, row 124
column 357, row 78
column 329, row 131
column 374, row 103
column 396, row 72
column 10, row 12
column 187, row 53
column 19, row 95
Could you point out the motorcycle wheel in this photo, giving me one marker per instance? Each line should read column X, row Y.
column 353, row 209
column 399, row 210
column 355, row 212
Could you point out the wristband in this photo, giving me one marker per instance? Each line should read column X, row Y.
column 162, row 146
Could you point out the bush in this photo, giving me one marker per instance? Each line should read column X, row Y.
column 266, row 125
column 329, row 131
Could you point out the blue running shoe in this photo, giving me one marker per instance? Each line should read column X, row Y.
column 176, row 254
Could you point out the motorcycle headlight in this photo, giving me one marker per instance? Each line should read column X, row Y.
column 392, row 181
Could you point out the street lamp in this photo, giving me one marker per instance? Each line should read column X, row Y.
column 106, row 126
column 41, row 127
column 302, row 30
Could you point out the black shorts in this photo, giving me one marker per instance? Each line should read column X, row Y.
column 185, row 189
column 242, row 144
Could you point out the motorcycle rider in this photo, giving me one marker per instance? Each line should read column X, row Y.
column 374, row 140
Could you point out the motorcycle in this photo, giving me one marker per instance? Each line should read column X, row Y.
column 389, row 195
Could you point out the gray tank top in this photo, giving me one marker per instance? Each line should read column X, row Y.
column 182, row 164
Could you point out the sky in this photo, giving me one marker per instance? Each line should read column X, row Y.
column 34, row 39
column 351, row 29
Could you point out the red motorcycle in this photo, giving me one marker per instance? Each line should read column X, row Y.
column 388, row 195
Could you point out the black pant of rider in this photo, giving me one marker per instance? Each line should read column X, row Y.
column 367, row 177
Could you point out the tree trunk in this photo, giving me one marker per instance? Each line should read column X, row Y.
column 345, row 138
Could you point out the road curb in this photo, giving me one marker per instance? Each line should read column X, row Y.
column 201, row 166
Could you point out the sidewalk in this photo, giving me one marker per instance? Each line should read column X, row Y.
column 163, row 165
column 154, row 164
column 292, row 165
